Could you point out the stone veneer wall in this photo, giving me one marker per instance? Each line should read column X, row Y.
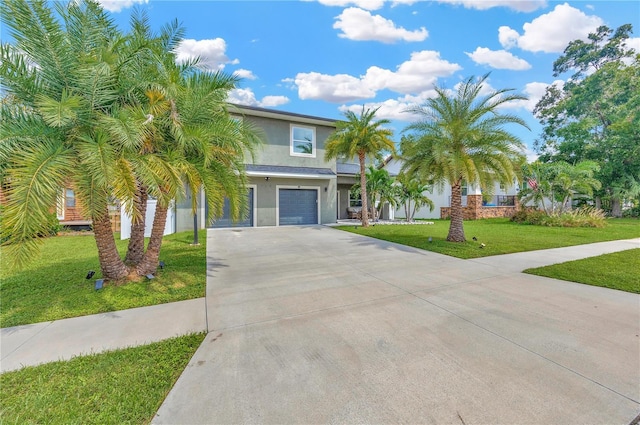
column 474, row 209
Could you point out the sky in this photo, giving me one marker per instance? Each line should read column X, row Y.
column 324, row 57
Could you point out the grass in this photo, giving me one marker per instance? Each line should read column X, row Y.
column 54, row 286
column 499, row 235
column 123, row 386
column 618, row 270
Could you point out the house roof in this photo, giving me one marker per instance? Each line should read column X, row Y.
column 282, row 115
column 286, row 171
column 350, row 169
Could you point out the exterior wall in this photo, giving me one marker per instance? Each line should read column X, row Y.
column 277, row 147
column 267, row 197
column 474, row 210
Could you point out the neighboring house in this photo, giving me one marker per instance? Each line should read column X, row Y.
column 67, row 209
column 290, row 183
column 503, row 202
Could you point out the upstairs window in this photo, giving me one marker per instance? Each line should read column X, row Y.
column 303, row 141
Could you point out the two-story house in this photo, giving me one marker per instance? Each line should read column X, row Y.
column 290, row 183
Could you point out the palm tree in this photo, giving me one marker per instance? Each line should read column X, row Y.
column 559, row 182
column 60, row 80
column 461, row 137
column 411, row 195
column 379, row 189
column 190, row 138
column 362, row 137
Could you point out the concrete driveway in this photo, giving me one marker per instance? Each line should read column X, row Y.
column 314, row 325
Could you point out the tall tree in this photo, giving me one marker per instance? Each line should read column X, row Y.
column 595, row 115
column 60, row 79
column 362, row 137
column 189, row 137
column 461, row 137
column 379, row 189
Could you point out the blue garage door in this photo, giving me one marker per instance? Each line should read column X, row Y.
column 225, row 220
column 298, row 206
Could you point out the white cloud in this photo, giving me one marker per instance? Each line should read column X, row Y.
column 633, row 43
column 363, row 4
column 211, row 52
column 358, row 24
column 499, row 59
column 552, row 32
column 531, row 155
column 534, row 91
column 393, row 109
column 332, row 88
column 413, row 76
column 248, row 97
column 517, row 5
column 508, row 37
column 118, row 5
column 245, row 74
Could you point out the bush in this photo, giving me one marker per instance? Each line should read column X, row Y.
column 580, row 217
column 528, row 216
column 632, row 212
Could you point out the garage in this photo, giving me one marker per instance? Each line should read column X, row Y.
column 297, row 206
column 225, row 220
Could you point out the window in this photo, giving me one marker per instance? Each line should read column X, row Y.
column 463, row 188
column 354, row 200
column 69, row 198
column 303, row 141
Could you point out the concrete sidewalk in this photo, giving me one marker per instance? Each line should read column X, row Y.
column 29, row 345
column 524, row 260
column 314, row 325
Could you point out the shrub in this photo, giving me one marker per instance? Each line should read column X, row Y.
column 528, row 216
column 581, row 217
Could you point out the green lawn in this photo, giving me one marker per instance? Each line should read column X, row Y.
column 500, row 236
column 618, row 270
column 54, row 286
column 118, row 387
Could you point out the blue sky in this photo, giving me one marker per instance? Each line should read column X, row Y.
column 323, row 57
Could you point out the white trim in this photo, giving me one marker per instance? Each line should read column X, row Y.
column 318, row 199
column 254, row 212
column 313, row 142
column 61, row 204
column 290, row 175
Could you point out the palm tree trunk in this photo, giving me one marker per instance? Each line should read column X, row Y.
column 363, row 191
column 135, row 249
column 111, row 265
column 149, row 263
column 456, row 230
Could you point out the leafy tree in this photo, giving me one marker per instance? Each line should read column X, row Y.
column 190, row 137
column 461, row 137
column 596, row 115
column 380, row 189
column 411, row 193
column 361, row 137
column 60, row 80
column 558, row 184
column 116, row 118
